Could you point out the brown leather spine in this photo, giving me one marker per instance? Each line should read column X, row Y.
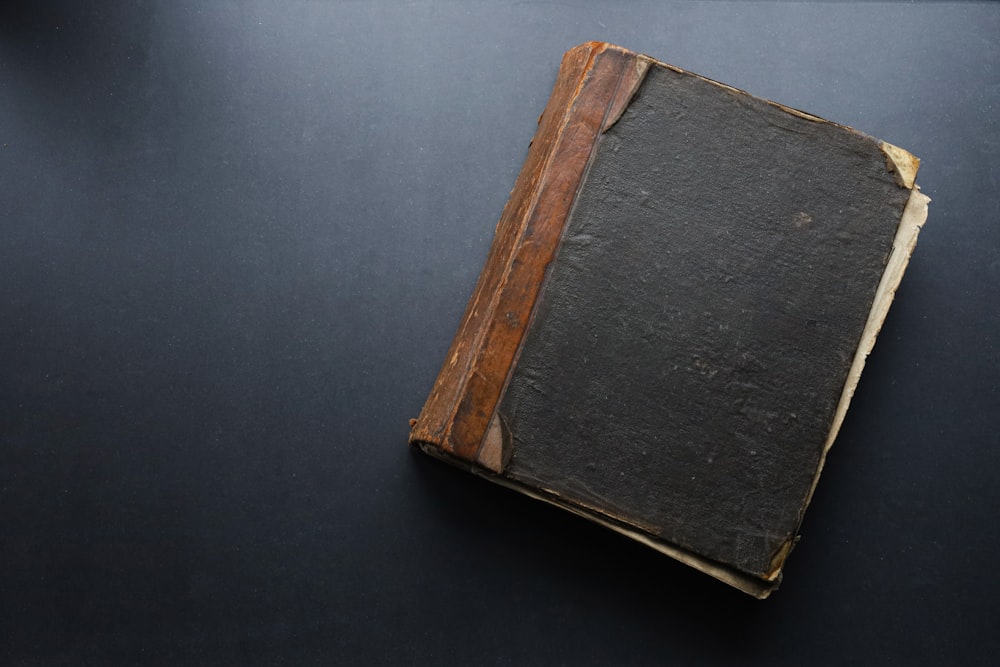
column 587, row 94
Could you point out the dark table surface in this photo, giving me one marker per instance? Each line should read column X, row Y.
column 235, row 241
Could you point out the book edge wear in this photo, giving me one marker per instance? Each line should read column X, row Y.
column 460, row 422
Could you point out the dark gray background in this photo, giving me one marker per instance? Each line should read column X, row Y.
column 237, row 238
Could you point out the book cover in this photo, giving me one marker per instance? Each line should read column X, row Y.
column 676, row 309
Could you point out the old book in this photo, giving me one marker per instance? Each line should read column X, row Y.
column 675, row 312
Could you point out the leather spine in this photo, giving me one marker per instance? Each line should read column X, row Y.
column 459, row 419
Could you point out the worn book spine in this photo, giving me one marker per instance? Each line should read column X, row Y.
column 595, row 83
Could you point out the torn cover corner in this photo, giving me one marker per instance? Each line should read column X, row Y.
column 901, row 163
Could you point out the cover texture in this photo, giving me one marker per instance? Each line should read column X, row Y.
column 695, row 330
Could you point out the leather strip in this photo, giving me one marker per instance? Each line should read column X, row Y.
column 458, row 412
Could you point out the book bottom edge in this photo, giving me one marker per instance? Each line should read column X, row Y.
column 758, row 588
